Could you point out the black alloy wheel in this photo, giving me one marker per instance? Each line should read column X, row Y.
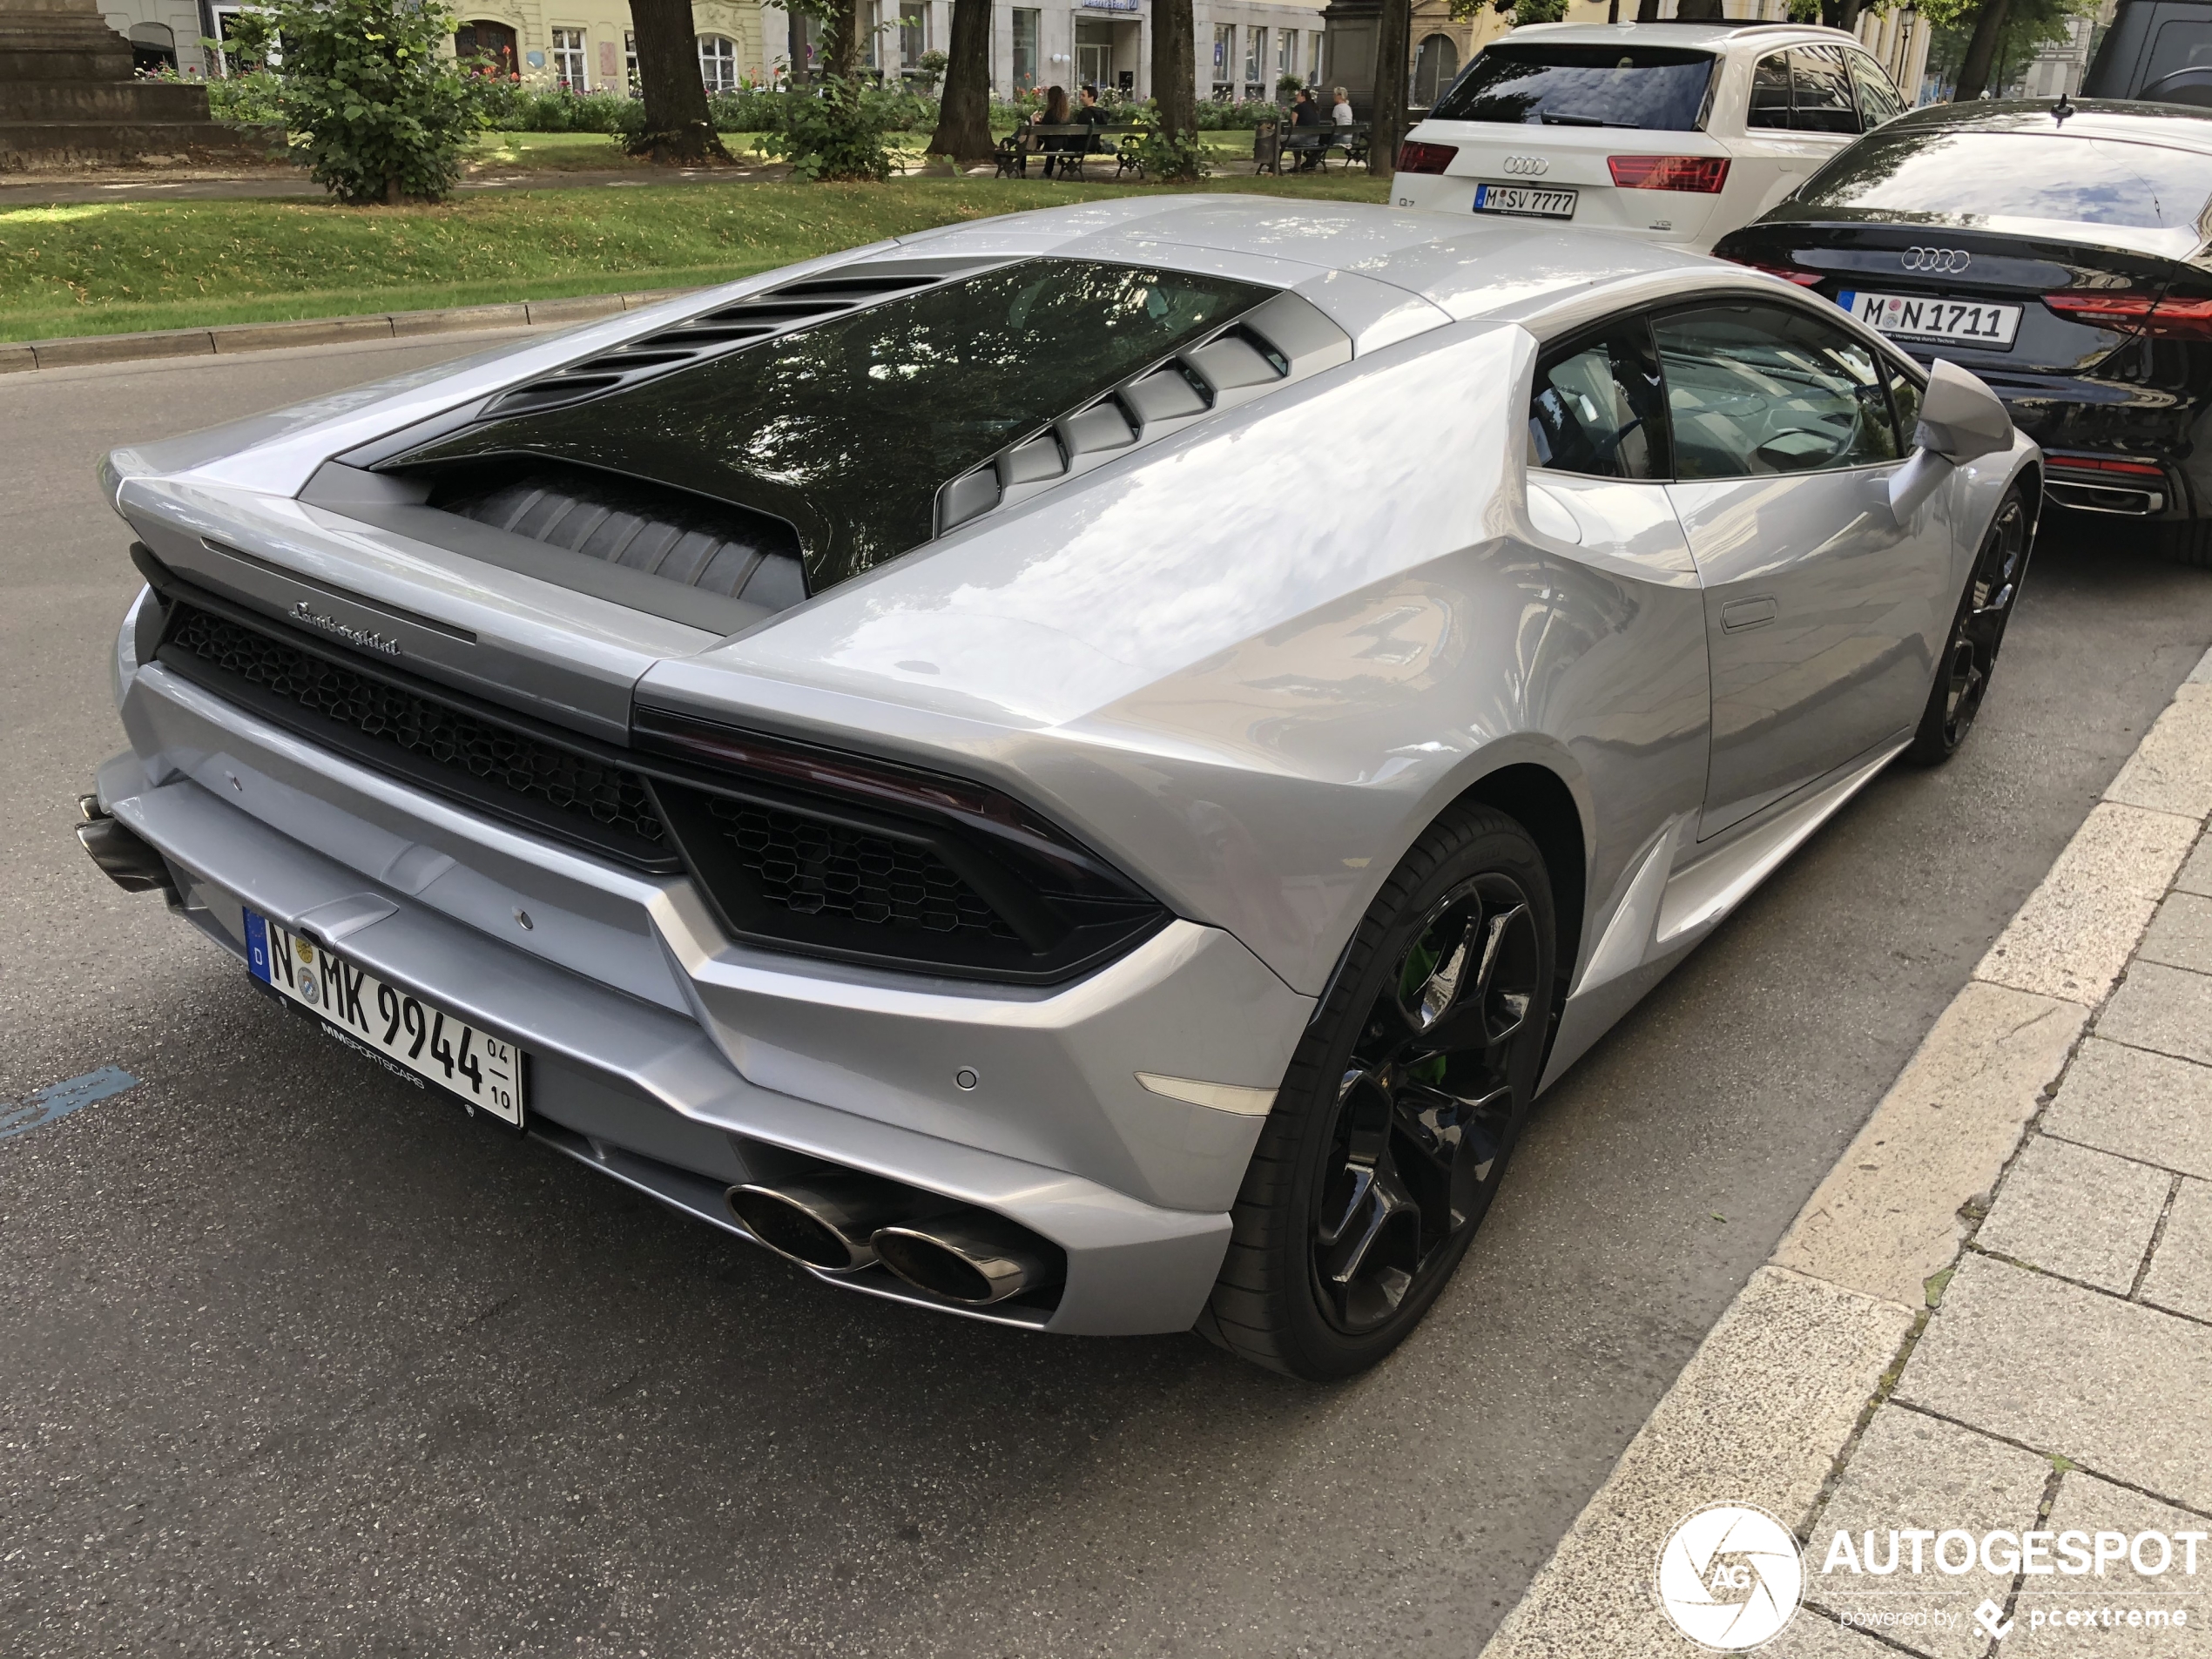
column 1390, row 1134
column 1976, row 634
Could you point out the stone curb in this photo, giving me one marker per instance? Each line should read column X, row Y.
column 1770, row 1401
column 19, row 355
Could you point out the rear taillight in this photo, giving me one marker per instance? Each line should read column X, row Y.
column 1426, row 157
column 1795, row 273
column 2106, row 464
column 1701, row 175
column 2136, row 314
column 845, row 856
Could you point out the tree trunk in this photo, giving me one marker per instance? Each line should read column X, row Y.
column 1386, row 122
column 676, row 129
column 841, row 42
column 1981, row 51
column 1847, row 15
column 1175, row 69
column 1647, row 10
column 964, row 108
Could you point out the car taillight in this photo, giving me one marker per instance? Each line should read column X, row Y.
column 1425, row 158
column 845, row 856
column 1795, row 273
column 2139, row 313
column 1701, row 175
column 2106, row 463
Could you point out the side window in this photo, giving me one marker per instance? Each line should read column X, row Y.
column 1878, row 100
column 1822, row 87
column 1598, row 408
column 1769, row 92
column 1905, row 398
column 1753, row 389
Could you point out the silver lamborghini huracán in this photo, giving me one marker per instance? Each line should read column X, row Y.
column 1082, row 769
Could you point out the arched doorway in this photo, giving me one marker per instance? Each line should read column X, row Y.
column 153, row 47
column 1435, row 67
column 494, row 41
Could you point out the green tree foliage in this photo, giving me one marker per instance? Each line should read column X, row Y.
column 2028, row 26
column 835, row 130
column 375, row 111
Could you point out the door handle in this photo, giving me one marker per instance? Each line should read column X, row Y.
column 1739, row 614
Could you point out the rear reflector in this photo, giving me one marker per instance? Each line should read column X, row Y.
column 2107, row 463
column 1426, row 157
column 1701, row 175
column 2136, row 314
column 1795, row 273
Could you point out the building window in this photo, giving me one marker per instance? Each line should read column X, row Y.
column 228, row 60
column 914, row 32
column 1433, row 68
column 719, row 63
column 1224, row 53
column 1314, row 58
column 1255, row 55
column 630, row 60
column 1286, row 54
column 1025, row 48
column 568, row 60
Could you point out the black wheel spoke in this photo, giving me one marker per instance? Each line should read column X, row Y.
column 1428, row 1110
column 1979, row 631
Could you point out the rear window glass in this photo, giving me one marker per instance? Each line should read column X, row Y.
column 1653, row 88
column 1948, row 178
column 847, row 429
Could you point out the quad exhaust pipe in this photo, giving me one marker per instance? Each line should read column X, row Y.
column 841, row 1222
column 123, row 858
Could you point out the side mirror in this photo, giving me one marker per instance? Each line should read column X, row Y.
column 1961, row 420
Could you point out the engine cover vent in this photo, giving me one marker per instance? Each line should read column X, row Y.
column 731, row 328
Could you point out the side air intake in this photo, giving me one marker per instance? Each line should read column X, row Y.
column 1284, row 340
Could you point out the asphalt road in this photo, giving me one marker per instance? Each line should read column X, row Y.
column 293, row 1359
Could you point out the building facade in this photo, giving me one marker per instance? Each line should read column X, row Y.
column 1439, row 45
column 1244, row 47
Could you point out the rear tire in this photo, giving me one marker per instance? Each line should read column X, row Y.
column 2188, row 542
column 1391, row 1130
column 1976, row 634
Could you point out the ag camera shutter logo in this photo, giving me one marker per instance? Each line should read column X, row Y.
column 1730, row 1577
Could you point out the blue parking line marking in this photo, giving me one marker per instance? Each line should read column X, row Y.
column 59, row 1100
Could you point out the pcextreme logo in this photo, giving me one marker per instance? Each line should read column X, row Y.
column 1730, row 1577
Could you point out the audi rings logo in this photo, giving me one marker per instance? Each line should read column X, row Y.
column 1730, row 1577
column 1938, row 261
column 1527, row 167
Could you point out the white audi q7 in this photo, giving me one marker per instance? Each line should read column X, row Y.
column 1677, row 133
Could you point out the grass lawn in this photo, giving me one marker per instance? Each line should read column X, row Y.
column 112, row 267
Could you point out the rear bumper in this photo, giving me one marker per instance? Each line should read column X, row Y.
column 660, row 1050
column 1668, row 218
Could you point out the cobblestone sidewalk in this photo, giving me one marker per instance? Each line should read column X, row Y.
column 1995, row 1315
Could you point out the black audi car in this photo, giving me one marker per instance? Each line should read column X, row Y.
column 2057, row 250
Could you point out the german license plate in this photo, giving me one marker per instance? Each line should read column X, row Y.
column 400, row 1032
column 1966, row 322
column 1524, row 201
